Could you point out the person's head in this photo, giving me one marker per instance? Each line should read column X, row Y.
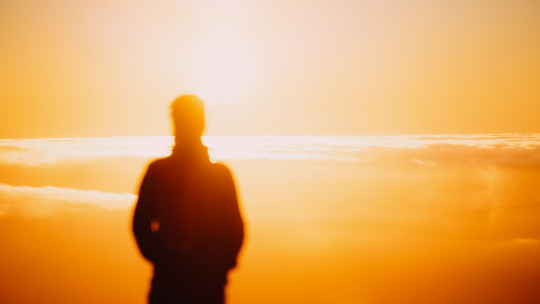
column 188, row 118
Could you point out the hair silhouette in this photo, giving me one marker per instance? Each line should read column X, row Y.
column 187, row 222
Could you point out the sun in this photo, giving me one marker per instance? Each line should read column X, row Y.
column 225, row 72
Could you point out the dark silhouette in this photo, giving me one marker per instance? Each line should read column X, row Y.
column 187, row 220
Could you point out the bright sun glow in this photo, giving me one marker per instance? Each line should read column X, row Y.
column 224, row 72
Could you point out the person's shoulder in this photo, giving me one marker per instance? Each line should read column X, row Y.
column 159, row 163
column 220, row 168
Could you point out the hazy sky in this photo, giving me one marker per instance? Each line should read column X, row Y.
column 104, row 68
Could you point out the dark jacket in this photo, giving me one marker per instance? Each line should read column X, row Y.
column 187, row 221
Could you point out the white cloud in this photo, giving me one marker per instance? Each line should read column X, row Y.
column 45, row 151
column 419, row 150
column 33, row 202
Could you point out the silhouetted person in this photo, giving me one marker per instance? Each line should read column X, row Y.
column 187, row 221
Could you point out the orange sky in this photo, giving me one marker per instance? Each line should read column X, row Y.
column 103, row 68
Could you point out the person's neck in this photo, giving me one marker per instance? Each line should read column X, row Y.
column 188, row 148
column 188, row 141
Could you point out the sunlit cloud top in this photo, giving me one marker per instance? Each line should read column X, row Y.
column 497, row 149
column 31, row 202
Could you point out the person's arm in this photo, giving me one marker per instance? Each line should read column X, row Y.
column 233, row 228
column 142, row 218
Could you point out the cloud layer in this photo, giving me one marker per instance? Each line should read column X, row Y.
column 423, row 150
column 394, row 216
column 31, row 202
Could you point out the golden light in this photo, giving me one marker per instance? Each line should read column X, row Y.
column 224, row 72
